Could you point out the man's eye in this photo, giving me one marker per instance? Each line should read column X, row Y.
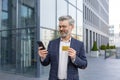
column 59, row 26
column 62, row 26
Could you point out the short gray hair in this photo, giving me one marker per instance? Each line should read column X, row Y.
column 67, row 17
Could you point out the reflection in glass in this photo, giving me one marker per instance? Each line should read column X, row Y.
column 27, row 16
column 61, row 8
column 17, row 51
column 25, row 49
column 72, row 12
column 47, row 13
column 79, row 25
column 4, row 20
column 17, row 45
column 5, row 5
column 79, row 4
column 73, row 2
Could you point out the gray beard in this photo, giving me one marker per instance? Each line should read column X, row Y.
column 63, row 36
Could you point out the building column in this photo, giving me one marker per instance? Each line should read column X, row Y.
column 88, row 41
column 0, row 12
column 18, row 42
column 92, row 38
column 95, row 36
column 84, row 38
column 37, row 36
column 100, row 39
column 0, row 28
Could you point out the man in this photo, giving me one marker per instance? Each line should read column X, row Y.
column 65, row 54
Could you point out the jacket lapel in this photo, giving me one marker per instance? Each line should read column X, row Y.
column 57, row 49
column 72, row 43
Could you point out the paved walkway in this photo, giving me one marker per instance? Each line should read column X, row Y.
column 101, row 69
column 98, row 69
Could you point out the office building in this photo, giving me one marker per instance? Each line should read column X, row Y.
column 111, row 35
column 117, row 37
column 95, row 23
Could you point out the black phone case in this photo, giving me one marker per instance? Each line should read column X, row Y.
column 41, row 44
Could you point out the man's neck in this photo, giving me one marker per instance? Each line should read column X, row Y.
column 67, row 38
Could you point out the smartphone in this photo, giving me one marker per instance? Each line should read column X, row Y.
column 40, row 43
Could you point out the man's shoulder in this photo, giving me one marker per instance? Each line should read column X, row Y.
column 55, row 40
column 76, row 40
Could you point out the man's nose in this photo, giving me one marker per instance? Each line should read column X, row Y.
column 61, row 28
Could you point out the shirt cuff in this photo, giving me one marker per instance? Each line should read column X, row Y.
column 42, row 59
column 73, row 60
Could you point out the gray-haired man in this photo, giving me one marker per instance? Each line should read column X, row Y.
column 65, row 54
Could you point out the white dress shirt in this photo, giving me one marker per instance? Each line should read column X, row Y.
column 63, row 60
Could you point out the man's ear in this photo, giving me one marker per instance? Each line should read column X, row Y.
column 72, row 26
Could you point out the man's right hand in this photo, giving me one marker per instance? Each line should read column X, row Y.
column 42, row 53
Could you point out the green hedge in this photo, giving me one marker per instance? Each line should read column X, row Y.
column 103, row 47
column 112, row 47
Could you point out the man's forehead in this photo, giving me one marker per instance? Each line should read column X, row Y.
column 63, row 22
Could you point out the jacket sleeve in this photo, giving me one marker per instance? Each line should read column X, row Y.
column 46, row 61
column 81, row 60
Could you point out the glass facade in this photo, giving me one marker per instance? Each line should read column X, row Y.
column 23, row 22
column 17, row 36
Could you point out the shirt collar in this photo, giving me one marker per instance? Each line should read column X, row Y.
column 67, row 40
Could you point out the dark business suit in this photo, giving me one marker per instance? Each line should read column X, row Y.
column 53, row 59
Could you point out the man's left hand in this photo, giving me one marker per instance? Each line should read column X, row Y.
column 72, row 53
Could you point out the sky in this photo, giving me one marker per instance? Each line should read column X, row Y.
column 114, row 13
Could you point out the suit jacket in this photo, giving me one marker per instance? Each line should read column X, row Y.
column 53, row 59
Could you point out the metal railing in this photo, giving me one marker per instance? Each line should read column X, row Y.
column 109, row 53
column 118, row 52
column 112, row 52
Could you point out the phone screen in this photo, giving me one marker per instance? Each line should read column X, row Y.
column 41, row 44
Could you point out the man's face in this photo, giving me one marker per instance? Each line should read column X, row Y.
column 64, row 28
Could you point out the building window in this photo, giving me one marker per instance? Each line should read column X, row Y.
column 4, row 23
column 48, row 14
column 17, row 44
column 5, row 5
column 27, row 16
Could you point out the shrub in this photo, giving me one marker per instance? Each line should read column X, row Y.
column 94, row 48
column 112, row 47
column 102, row 47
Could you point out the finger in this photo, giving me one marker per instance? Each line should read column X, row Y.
column 70, row 49
column 39, row 48
column 71, row 55
column 43, row 51
column 71, row 52
column 74, row 51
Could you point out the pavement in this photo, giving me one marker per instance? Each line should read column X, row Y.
column 98, row 69
column 101, row 69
